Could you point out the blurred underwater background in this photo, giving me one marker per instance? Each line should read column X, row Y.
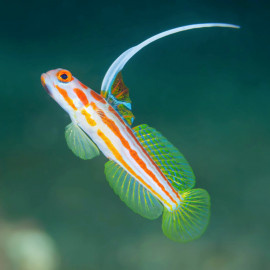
column 206, row 90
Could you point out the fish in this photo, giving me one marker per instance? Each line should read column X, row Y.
column 149, row 174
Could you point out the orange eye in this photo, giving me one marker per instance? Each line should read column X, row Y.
column 64, row 76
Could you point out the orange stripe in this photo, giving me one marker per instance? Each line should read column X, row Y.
column 94, row 106
column 88, row 118
column 110, row 123
column 82, row 85
column 116, row 86
column 97, row 97
column 127, row 167
column 122, row 93
column 64, row 93
column 81, row 95
column 111, row 109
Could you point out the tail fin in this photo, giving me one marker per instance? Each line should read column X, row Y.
column 190, row 219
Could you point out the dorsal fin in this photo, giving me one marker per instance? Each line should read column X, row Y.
column 120, row 62
column 168, row 158
column 113, row 88
column 120, row 90
column 118, row 97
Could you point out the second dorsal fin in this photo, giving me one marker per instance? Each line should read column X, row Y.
column 119, row 98
column 171, row 162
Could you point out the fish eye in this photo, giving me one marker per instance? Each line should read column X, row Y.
column 64, row 76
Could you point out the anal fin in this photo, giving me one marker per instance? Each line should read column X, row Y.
column 132, row 193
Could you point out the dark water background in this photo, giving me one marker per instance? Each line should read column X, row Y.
column 206, row 90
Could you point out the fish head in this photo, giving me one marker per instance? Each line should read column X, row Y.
column 65, row 89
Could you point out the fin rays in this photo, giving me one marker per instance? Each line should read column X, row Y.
column 171, row 162
column 190, row 219
column 132, row 193
column 79, row 143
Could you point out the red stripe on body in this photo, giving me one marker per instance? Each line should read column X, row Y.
column 98, row 97
column 110, row 123
column 64, row 94
column 81, row 95
column 111, row 109
column 82, row 85
column 127, row 167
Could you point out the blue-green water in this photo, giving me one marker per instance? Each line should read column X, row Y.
column 206, row 90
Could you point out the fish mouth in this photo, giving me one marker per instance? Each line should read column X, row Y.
column 44, row 78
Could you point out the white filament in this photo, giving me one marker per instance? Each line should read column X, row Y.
column 120, row 62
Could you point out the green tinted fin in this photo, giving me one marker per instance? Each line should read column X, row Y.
column 190, row 219
column 125, row 113
column 79, row 143
column 171, row 162
column 118, row 97
column 132, row 193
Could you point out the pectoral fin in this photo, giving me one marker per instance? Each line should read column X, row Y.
column 79, row 143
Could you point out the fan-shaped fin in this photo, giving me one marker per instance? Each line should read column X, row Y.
column 79, row 143
column 168, row 158
column 190, row 219
column 132, row 193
